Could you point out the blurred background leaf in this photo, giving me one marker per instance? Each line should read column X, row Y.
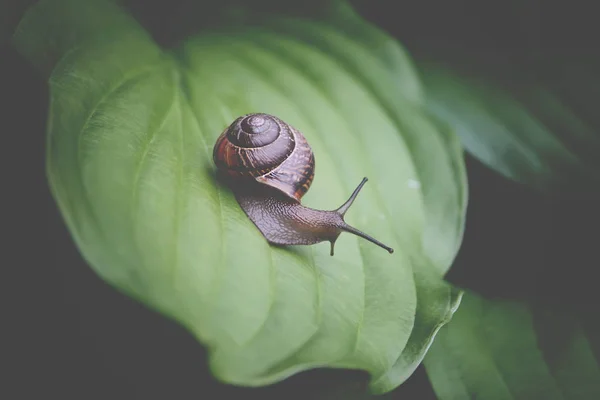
column 512, row 116
column 512, row 350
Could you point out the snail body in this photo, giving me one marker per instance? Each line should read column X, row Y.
column 269, row 166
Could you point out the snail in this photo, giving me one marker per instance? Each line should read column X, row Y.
column 269, row 166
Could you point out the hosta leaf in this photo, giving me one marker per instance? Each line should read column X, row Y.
column 511, row 350
column 521, row 119
column 131, row 130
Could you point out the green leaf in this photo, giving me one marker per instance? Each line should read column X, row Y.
column 130, row 135
column 520, row 118
column 497, row 349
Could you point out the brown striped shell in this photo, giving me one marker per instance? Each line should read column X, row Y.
column 265, row 148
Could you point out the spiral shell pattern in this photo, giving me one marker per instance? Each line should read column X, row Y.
column 265, row 148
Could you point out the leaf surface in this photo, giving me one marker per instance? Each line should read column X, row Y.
column 130, row 136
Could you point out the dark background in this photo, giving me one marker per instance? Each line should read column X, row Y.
column 67, row 334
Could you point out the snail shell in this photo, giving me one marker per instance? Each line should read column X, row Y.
column 265, row 148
